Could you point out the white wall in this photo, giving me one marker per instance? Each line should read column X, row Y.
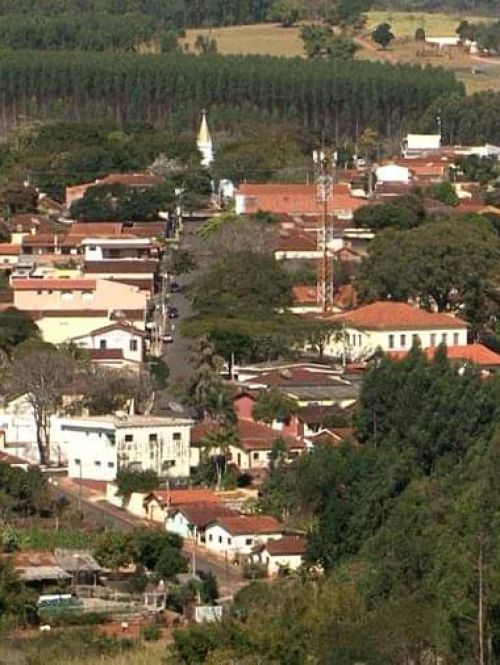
column 359, row 343
column 115, row 339
column 393, row 173
column 219, row 540
column 92, row 451
column 179, row 524
column 290, row 561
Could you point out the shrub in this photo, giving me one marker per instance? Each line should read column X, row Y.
column 151, row 633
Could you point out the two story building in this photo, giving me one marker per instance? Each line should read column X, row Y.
column 97, row 447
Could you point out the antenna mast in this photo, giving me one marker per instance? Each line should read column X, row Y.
column 324, row 162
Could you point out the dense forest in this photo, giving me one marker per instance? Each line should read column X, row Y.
column 341, row 99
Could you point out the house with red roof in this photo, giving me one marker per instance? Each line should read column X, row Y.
column 281, row 556
column 295, row 199
column 393, row 326
column 471, row 354
column 236, row 536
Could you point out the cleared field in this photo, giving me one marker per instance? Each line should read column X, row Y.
column 404, row 24
column 272, row 39
column 265, row 39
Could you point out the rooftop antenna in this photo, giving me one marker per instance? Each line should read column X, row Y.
column 324, row 162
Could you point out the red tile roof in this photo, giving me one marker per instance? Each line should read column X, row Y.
column 304, row 295
column 53, row 284
column 130, row 266
column 131, row 179
column 295, row 199
column 8, row 249
column 391, row 315
column 296, row 241
column 105, row 354
column 66, row 313
column 96, row 229
column 249, row 524
column 473, row 353
column 201, row 514
column 251, row 435
column 295, row 376
column 286, row 545
column 176, row 498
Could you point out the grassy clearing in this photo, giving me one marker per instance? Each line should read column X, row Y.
column 404, row 24
column 272, row 39
column 265, row 39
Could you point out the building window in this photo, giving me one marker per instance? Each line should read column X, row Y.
column 391, row 341
column 360, row 343
column 176, row 436
column 102, row 343
column 229, row 541
column 220, row 540
column 133, row 345
column 444, row 338
column 415, row 339
column 87, row 295
column 256, row 456
column 433, row 339
column 152, row 455
column 39, row 293
column 210, row 537
column 129, row 438
column 248, row 541
column 78, row 462
column 92, row 248
column 402, row 341
column 67, row 295
column 455, row 339
column 111, row 465
column 347, row 338
column 97, row 463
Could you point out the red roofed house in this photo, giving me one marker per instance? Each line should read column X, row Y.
column 281, row 555
column 295, row 200
column 237, row 536
column 191, row 520
column 117, row 344
column 394, row 326
column 9, row 254
column 472, row 354
column 159, row 504
column 67, row 308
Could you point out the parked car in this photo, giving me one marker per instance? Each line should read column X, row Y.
column 168, row 339
column 172, row 312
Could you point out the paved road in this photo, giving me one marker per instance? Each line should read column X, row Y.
column 101, row 512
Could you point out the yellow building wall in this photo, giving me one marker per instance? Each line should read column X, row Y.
column 60, row 329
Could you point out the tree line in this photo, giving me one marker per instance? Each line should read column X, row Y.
column 127, row 87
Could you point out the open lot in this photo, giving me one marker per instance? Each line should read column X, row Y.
column 272, row 39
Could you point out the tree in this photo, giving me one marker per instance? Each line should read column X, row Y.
column 108, row 390
column 382, row 35
column 15, row 327
column 448, row 263
column 170, row 563
column 243, row 284
column 132, row 480
column 273, row 405
column 45, row 375
column 16, row 601
column 320, row 41
column 444, row 192
column 151, row 544
column 114, row 550
column 205, row 44
column 206, row 392
column 169, row 41
column 209, row 590
column 403, row 212
column 215, row 447
column 420, row 35
column 287, row 12
column 179, row 261
column 319, row 333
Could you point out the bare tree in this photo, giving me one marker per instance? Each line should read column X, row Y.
column 45, row 375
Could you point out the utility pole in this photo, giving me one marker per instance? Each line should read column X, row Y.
column 324, row 163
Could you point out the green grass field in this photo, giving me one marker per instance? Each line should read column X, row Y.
column 272, row 39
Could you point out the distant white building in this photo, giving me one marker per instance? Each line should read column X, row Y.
column 204, row 142
column 97, row 447
column 418, row 144
column 118, row 336
column 443, row 42
column 393, row 173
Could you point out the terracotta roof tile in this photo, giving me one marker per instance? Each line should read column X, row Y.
column 176, row 498
column 8, row 249
column 478, row 354
column 391, row 315
column 201, row 514
column 105, row 354
column 251, row 435
column 249, row 524
column 286, row 545
column 53, row 284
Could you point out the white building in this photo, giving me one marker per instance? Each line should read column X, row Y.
column 394, row 326
column 204, row 142
column 285, row 554
column 117, row 336
column 390, row 173
column 109, row 249
column 98, row 446
column 418, row 144
column 237, row 536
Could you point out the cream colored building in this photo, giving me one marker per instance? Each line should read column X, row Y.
column 67, row 308
column 393, row 326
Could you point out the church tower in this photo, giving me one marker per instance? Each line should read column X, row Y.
column 204, row 142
